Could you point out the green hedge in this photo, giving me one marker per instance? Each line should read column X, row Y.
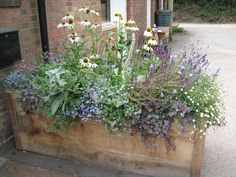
column 216, row 3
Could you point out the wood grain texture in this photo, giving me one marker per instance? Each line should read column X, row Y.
column 197, row 155
column 91, row 142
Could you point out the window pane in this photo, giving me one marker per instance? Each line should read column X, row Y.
column 105, row 10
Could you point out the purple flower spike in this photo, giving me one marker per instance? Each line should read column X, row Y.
column 152, row 70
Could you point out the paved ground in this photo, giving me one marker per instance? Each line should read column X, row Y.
column 27, row 164
column 16, row 169
column 220, row 149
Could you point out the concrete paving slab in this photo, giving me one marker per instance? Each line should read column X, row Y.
column 15, row 169
column 78, row 168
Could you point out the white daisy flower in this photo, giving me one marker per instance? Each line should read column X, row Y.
column 95, row 26
column 73, row 34
column 148, row 47
column 92, row 65
column 74, row 39
column 153, row 41
column 85, row 23
column 71, row 24
column 85, row 62
column 68, row 17
column 62, row 25
column 118, row 17
column 131, row 21
column 94, row 56
column 129, row 27
column 95, row 12
column 83, row 9
column 148, row 32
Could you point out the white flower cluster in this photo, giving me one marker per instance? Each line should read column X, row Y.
column 131, row 25
column 68, row 21
column 95, row 26
column 73, row 37
column 152, row 40
column 88, row 11
column 208, row 112
column 86, row 22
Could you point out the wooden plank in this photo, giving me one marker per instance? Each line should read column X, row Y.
column 91, row 142
column 197, row 155
column 14, row 110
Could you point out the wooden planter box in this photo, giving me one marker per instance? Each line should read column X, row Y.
column 92, row 143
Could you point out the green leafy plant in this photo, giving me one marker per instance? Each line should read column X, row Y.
column 112, row 81
column 177, row 29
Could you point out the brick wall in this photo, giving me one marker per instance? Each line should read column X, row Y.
column 56, row 9
column 25, row 18
column 137, row 9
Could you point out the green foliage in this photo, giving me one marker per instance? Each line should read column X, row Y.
column 114, row 100
column 216, row 11
column 119, row 85
column 215, row 3
column 177, row 29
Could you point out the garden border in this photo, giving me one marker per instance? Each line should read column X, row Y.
column 91, row 142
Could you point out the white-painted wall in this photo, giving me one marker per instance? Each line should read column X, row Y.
column 118, row 6
column 149, row 13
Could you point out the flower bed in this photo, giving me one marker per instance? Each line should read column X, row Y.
column 91, row 142
column 108, row 80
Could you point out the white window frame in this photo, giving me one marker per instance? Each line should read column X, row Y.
column 115, row 6
column 149, row 6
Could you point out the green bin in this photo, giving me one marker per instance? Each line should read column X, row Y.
column 163, row 17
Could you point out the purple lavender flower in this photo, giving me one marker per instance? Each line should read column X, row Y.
column 152, row 70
